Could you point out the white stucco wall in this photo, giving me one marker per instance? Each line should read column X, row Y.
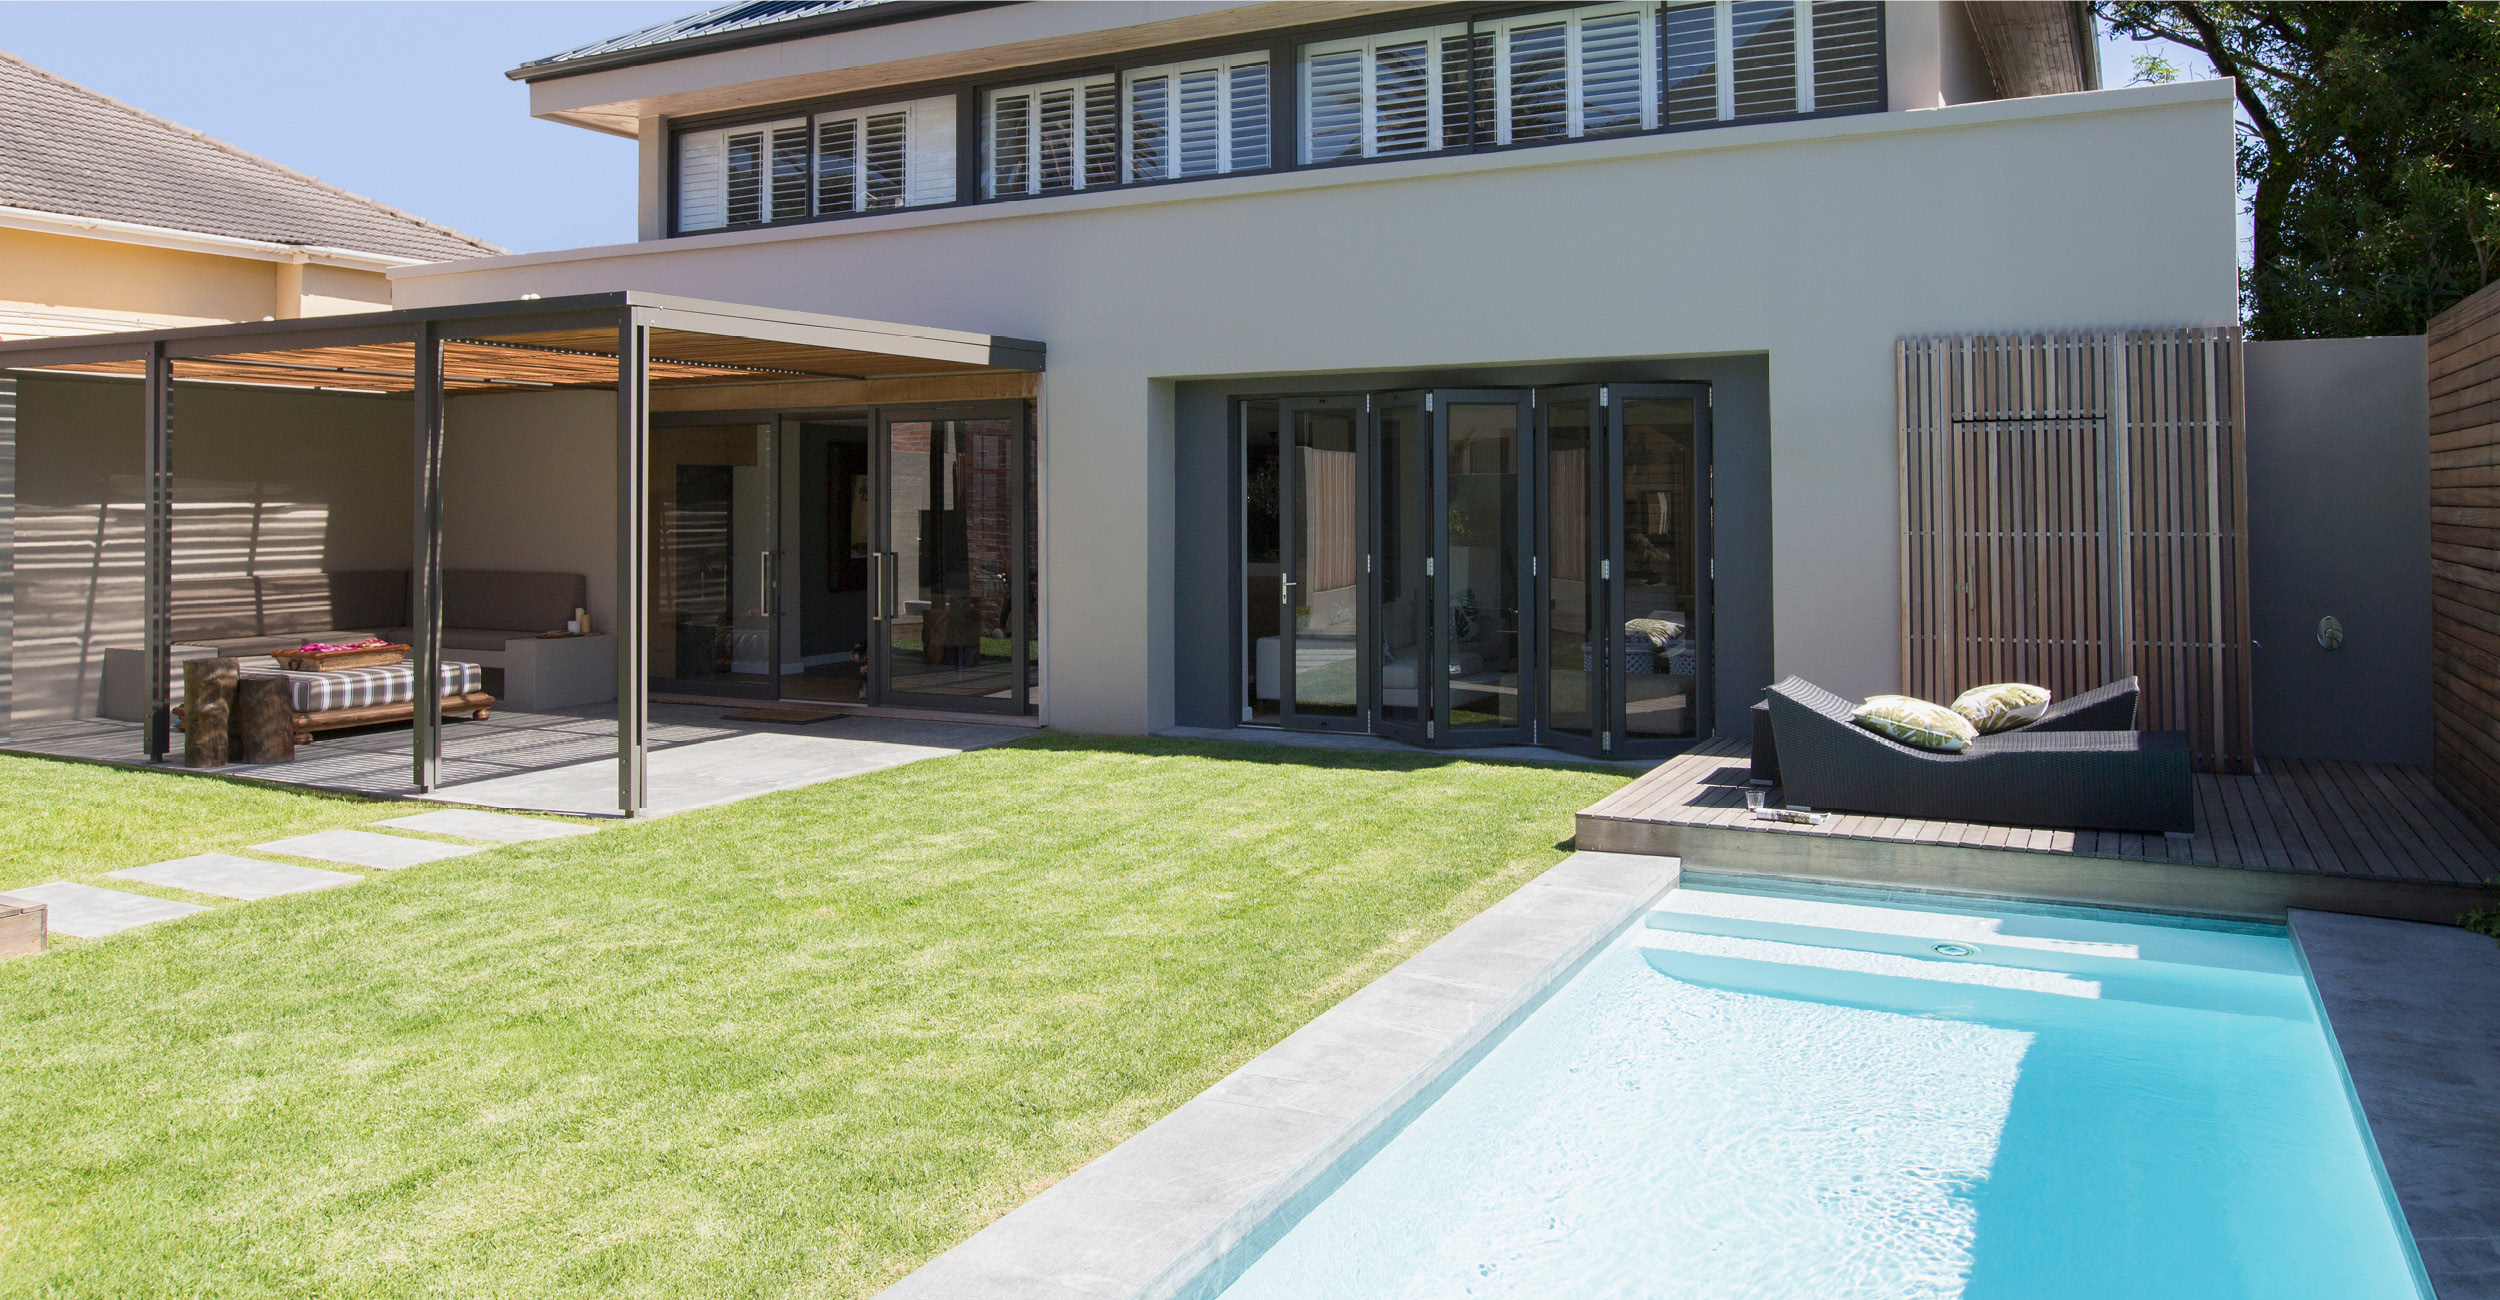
column 1816, row 243
column 529, row 482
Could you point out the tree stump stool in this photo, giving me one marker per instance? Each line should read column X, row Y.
column 207, row 710
column 264, row 721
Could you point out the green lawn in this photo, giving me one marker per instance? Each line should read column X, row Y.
column 795, row 1046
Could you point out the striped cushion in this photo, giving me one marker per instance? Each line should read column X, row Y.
column 350, row 688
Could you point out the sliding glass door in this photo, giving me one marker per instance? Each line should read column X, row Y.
column 1480, row 448
column 1624, row 581
column 951, row 576
column 715, row 548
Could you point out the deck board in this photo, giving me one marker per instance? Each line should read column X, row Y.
column 2358, row 826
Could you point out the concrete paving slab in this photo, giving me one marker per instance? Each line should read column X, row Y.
column 2415, row 1010
column 90, row 912
column 499, row 828
column 1154, row 1214
column 228, row 876
column 735, row 767
column 366, row 849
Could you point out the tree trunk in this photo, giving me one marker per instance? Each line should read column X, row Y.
column 264, row 722
column 207, row 710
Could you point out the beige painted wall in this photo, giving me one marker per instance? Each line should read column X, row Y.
column 529, row 482
column 1816, row 243
column 264, row 483
column 53, row 284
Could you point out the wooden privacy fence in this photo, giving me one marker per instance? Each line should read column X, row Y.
column 2074, row 509
column 2464, row 346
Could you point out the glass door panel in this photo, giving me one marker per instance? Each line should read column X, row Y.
column 715, row 538
column 1571, row 599
column 950, row 616
column 1262, row 565
column 829, row 517
column 1320, row 590
column 1661, row 471
column 1402, row 584
column 1484, row 568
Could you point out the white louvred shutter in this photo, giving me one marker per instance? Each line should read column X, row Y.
column 931, row 171
column 701, row 201
column 1247, row 149
column 1614, row 72
column 1332, row 105
column 1198, row 128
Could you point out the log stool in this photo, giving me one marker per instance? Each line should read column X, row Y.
column 207, row 710
column 264, row 721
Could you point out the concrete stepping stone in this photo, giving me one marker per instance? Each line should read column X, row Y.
column 501, row 828
column 228, row 876
column 366, row 849
column 89, row 912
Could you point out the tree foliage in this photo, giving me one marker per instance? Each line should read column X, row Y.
column 2370, row 149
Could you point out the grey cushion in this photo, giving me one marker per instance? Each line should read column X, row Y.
column 368, row 597
column 502, row 598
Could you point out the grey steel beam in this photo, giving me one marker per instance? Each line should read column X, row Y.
column 633, row 622
column 8, row 548
column 425, row 588
column 157, row 573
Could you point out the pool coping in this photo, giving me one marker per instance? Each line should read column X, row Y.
column 1153, row 1217
column 2412, row 1013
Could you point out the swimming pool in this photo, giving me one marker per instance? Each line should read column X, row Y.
column 1856, row 1094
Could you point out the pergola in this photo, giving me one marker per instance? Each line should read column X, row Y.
column 631, row 342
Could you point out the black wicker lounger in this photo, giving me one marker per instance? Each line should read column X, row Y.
column 2059, row 779
column 2103, row 708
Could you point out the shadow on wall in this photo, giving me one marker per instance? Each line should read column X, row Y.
column 81, row 569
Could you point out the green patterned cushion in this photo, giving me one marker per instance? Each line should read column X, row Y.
column 2002, row 707
column 1916, row 722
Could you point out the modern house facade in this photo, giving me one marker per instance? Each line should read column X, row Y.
column 1460, row 374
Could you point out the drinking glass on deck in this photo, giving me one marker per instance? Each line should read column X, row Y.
column 1753, row 801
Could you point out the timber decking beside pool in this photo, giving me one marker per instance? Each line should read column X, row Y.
column 2370, row 838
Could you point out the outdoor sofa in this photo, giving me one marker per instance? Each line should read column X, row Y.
column 2110, row 707
column 2061, row 779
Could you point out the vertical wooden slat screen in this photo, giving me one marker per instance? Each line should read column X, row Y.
column 2074, row 509
column 2464, row 349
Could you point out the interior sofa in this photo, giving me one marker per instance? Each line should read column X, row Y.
column 2068, row 780
column 485, row 611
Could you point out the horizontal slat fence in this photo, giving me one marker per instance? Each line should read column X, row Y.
column 2074, row 509
column 2464, row 347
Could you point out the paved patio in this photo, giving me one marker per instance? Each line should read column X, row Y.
column 564, row 761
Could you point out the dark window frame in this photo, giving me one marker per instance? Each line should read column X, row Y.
column 1283, row 48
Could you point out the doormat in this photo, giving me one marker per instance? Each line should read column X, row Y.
column 796, row 717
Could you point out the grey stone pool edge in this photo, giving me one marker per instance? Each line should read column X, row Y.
column 2412, row 1013
column 1164, row 1214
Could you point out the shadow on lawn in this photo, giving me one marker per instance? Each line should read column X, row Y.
column 1286, row 755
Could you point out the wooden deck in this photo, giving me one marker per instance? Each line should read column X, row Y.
column 2368, row 838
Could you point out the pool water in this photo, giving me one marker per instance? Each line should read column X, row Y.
column 1863, row 1095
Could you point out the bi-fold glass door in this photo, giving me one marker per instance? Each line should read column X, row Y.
column 1623, row 589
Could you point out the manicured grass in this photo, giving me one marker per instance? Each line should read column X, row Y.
column 76, row 821
column 795, row 1046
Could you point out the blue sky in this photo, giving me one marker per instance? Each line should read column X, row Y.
column 404, row 101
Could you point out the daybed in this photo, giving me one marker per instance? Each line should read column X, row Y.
column 2068, row 780
column 339, row 698
column 2103, row 708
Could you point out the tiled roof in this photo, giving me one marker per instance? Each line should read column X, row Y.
column 726, row 18
column 66, row 149
column 745, row 22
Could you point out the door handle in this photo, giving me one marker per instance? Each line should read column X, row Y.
column 893, row 584
column 876, row 584
column 1284, row 591
column 764, row 583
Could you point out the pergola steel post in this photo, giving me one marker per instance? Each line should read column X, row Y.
column 633, row 622
column 157, row 574
column 425, row 586
column 8, row 547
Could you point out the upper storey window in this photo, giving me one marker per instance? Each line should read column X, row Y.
column 824, row 164
column 1200, row 117
column 1587, row 71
